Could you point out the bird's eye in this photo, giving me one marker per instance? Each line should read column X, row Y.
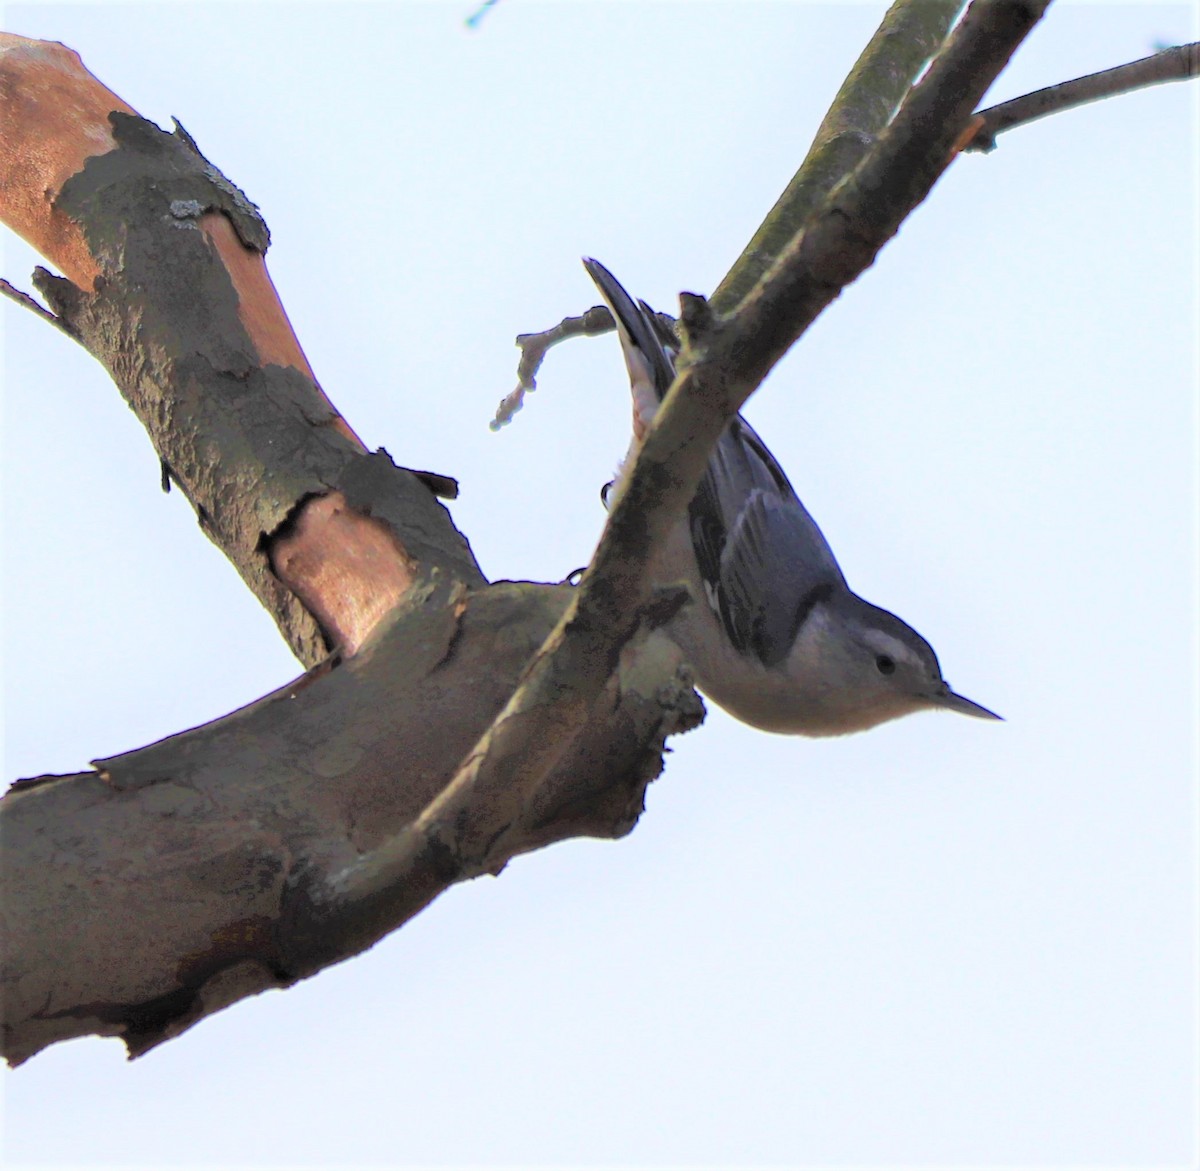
column 885, row 663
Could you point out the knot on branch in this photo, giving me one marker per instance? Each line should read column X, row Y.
column 697, row 321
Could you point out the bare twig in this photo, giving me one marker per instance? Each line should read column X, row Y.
column 534, row 347
column 36, row 307
column 595, row 322
column 1179, row 63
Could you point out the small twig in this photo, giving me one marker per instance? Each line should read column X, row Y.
column 533, row 347
column 1175, row 64
column 36, row 307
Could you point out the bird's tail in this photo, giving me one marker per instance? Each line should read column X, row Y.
column 641, row 339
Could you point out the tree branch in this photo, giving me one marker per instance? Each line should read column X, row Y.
column 909, row 35
column 863, row 212
column 34, row 307
column 725, row 360
column 231, row 848
column 1180, row 63
column 232, row 858
column 297, row 831
column 535, row 346
column 168, row 289
column 502, row 791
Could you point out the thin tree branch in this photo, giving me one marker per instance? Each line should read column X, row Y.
column 909, row 35
column 1180, row 63
column 37, row 308
column 723, row 362
column 535, row 346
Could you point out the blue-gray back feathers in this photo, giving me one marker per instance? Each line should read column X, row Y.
column 763, row 560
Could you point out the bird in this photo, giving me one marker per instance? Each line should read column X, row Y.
column 774, row 634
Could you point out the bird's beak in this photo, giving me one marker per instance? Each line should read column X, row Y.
column 954, row 702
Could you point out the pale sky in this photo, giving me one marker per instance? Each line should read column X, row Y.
column 945, row 942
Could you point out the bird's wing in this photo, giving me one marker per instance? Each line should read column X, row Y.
column 762, row 558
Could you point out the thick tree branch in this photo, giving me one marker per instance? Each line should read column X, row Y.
column 1179, row 63
column 168, row 289
column 909, row 35
column 229, row 859
column 502, row 792
column 188, row 874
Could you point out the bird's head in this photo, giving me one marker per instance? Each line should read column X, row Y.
column 875, row 667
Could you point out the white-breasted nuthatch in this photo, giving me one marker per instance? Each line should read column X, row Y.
column 774, row 634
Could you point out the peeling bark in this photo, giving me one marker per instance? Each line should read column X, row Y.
column 184, row 317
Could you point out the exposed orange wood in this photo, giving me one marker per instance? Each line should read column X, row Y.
column 260, row 309
column 53, row 118
column 348, row 569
